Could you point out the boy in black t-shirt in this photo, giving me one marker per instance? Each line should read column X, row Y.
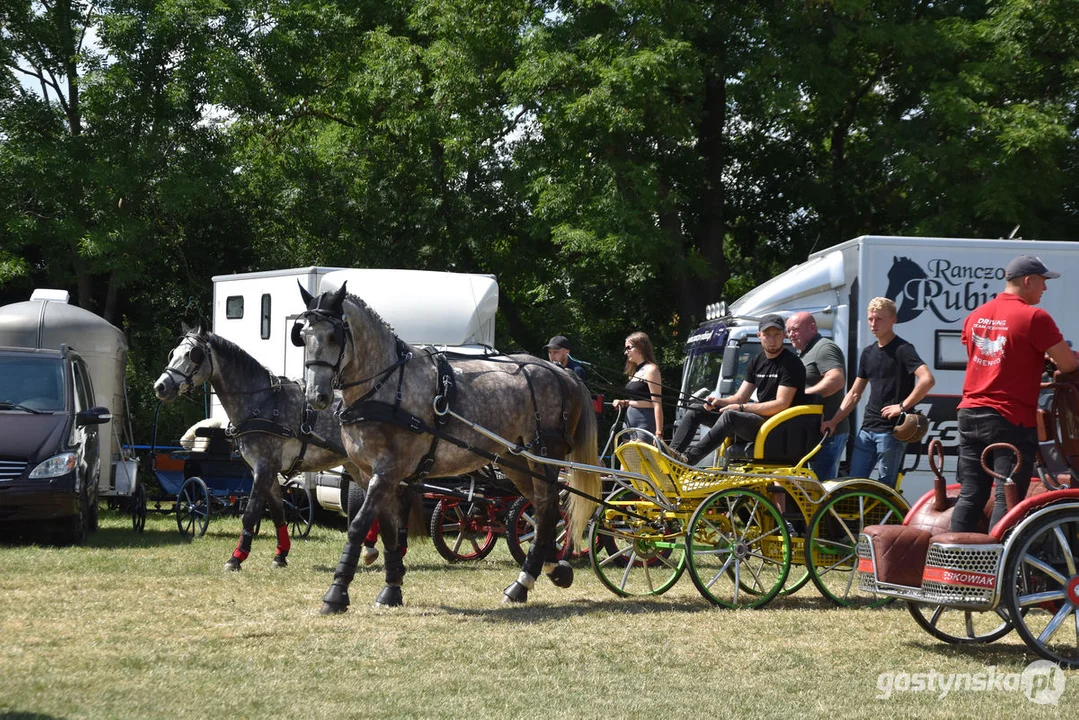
column 898, row 380
column 777, row 375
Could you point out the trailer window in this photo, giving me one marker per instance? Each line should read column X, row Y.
column 949, row 352
column 264, row 326
column 234, row 307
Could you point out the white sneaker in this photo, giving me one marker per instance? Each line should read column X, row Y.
column 369, row 555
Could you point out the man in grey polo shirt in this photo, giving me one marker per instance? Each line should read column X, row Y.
column 825, row 377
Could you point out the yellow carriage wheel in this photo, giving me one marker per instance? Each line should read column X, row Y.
column 832, row 539
column 738, row 548
column 632, row 556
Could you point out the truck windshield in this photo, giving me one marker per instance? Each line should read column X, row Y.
column 702, row 372
column 35, row 383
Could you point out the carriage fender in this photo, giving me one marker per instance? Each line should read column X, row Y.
column 832, row 487
column 1033, row 508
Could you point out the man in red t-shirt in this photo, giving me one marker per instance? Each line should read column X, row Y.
column 1007, row 339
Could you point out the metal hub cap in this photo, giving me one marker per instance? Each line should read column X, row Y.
column 1073, row 590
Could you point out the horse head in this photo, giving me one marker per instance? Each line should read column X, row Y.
column 321, row 331
column 903, row 271
column 190, row 364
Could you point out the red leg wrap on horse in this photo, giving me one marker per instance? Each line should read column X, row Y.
column 284, row 544
column 239, row 554
column 372, row 534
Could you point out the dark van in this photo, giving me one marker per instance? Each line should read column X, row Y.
column 50, row 449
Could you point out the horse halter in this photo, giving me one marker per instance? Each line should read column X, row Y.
column 199, row 353
column 341, row 336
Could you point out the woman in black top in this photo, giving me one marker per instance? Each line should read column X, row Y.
column 643, row 402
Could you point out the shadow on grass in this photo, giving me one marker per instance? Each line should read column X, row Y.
column 527, row 613
column 18, row 715
column 999, row 653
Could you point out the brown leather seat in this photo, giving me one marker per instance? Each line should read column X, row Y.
column 964, row 538
column 899, row 551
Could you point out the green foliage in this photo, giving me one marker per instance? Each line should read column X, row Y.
column 617, row 165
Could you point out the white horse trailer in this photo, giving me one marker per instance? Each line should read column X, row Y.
column 450, row 311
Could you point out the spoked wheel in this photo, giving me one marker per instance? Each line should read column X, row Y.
column 1041, row 586
column 739, row 549
column 959, row 626
column 299, row 510
column 797, row 579
column 138, row 508
column 832, row 540
column 193, row 508
column 632, row 556
column 521, row 530
column 462, row 530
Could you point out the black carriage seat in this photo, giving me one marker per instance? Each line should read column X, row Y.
column 218, row 445
column 784, row 439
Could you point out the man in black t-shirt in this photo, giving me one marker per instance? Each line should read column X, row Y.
column 898, row 380
column 777, row 375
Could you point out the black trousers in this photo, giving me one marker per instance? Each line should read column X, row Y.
column 729, row 423
column 979, row 428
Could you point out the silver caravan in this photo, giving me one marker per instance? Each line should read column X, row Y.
column 442, row 309
column 935, row 283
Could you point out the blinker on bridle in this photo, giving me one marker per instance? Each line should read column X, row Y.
column 195, row 357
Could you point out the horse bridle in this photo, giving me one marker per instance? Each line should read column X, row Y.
column 341, row 335
column 187, row 379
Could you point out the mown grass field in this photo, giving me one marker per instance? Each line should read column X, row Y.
column 147, row 626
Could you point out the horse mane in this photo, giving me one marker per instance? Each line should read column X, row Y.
column 248, row 366
column 356, row 300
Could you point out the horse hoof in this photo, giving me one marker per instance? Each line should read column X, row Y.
column 562, row 575
column 515, row 593
column 333, row 609
column 390, row 597
column 369, row 555
column 279, row 562
column 232, row 565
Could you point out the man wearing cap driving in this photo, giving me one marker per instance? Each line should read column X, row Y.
column 558, row 353
column 1007, row 339
column 777, row 375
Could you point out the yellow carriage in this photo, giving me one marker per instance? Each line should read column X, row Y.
column 758, row 525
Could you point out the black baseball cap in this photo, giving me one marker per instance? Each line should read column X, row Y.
column 772, row 320
column 558, row 341
column 1027, row 265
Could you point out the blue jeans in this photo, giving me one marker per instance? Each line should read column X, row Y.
column 825, row 464
column 870, row 447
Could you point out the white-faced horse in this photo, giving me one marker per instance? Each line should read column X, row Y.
column 412, row 412
column 276, row 431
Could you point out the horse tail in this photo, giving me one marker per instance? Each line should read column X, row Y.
column 585, row 452
column 417, row 524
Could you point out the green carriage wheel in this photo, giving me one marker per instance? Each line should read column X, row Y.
column 632, row 557
column 832, row 541
column 797, row 579
column 738, row 547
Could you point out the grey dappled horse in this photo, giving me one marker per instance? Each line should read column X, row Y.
column 276, row 432
column 400, row 424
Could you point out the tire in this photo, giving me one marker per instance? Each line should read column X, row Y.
column 739, row 549
column 193, row 508
column 299, row 510
column 354, row 501
column 521, row 531
column 832, row 540
column 75, row 530
column 138, row 508
column 959, row 626
column 1041, row 588
column 462, row 530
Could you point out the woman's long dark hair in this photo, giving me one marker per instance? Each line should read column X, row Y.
column 640, row 341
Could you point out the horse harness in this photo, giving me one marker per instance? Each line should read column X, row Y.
column 365, row 409
column 256, row 423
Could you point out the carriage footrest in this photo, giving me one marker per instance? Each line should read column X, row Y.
column 899, row 553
